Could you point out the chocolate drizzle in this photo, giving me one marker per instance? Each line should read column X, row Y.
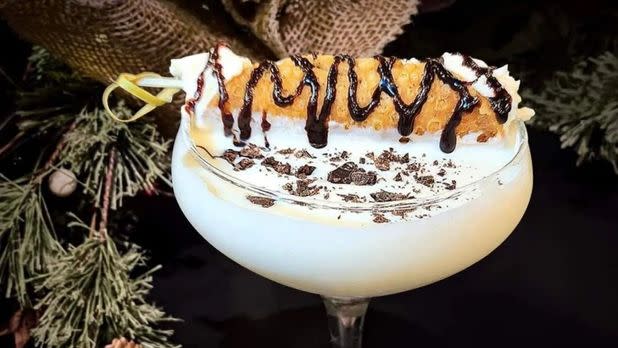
column 501, row 101
column 316, row 124
column 190, row 105
column 226, row 115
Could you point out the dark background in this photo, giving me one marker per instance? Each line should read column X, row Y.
column 552, row 283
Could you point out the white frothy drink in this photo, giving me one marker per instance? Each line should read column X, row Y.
column 423, row 215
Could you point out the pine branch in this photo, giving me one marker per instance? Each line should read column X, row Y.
column 27, row 240
column 582, row 107
column 88, row 294
column 92, row 299
column 142, row 154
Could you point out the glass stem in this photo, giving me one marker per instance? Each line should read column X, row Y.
column 345, row 320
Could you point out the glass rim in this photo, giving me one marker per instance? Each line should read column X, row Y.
column 319, row 203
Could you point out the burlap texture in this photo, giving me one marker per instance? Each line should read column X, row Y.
column 360, row 28
column 103, row 38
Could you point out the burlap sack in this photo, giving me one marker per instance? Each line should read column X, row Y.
column 360, row 28
column 103, row 38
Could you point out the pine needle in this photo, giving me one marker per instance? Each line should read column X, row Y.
column 143, row 154
column 27, row 240
column 582, row 107
column 92, row 299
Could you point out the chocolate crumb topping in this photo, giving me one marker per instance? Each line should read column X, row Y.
column 350, row 197
column 303, row 154
column 441, row 172
column 382, row 165
column 398, row 177
column 304, row 171
column 403, row 213
column 230, row 156
column 380, row 218
column 451, row 186
column 251, row 151
column 244, row 164
column 414, row 167
column 350, row 173
column 262, row 201
column 303, row 188
column 287, row 151
column 385, row 196
column 426, row 180
column 362, row 178
column 279, row 167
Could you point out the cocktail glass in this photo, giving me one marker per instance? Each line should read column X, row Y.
column 300, row 243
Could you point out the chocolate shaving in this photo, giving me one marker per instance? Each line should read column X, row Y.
column 426, row 180
column 362, row 160
column 304, row 170
column 303, row 188
column 303, row 154
column 385, row 196
column 451, row 186
column 362, row 178
column 350, row 173
column 398, row 177
column 230, row 156
column 383, row 165
column 350, row 197
column 262, row 201
column 413, row 167
column 287, row 151
column 279, row 167
column 380, row 218
column 244, row 164
column 403, row 213
column 251, row 151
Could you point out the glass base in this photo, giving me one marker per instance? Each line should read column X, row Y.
column 346, row 317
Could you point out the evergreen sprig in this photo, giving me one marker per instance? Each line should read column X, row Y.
column 582, row 107
column 143, row 154
column 87, row 294
column 92, row 298
column 27, row 240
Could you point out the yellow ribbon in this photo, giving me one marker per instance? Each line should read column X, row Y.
column 128, row 82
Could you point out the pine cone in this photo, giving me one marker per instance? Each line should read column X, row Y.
column 122, row 343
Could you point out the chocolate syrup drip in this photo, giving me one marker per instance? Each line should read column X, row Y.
column 407, row 112
column 226, row 115
column 501, row 101
column 317, row 131
column 265, row 128
column 357, row 112
column 317, row 124
column 466, row 102
column 190, row 105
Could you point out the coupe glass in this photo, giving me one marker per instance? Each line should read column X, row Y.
column 300, row 243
